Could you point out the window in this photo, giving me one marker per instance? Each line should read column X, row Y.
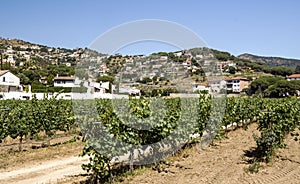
column 3, row 79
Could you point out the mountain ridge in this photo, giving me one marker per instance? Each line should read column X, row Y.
column 271, row 61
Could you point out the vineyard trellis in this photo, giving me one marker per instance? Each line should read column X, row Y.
column 276, row 118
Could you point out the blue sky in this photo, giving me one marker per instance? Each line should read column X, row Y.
column 262, row 27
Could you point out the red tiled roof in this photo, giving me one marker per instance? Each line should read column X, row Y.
column 294, row 76
column 2, row 72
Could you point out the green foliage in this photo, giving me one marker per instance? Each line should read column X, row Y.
column 232, row 70
column 40, row 88
column 145, row 80
column 50, row 80
column 261, row 84
column 281, row 70
column 105, row 78
column 20, row 119
column 274, row 87
column 277, row 118
column 222, row 56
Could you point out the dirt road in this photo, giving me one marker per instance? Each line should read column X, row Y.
column 44, row 172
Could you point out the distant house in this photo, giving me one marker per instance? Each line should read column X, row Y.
column 293, row 77
column 237, row 84
column 164, row 58
column 103, row 87
column 216, row 85
column 9, row 82
column 60, row 81
column 201, row 88
column 178, row 54
column 43, row 80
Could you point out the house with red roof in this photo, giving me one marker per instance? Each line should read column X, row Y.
column 237, row 84
column 293, row 77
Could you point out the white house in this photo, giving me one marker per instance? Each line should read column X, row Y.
column 9, row 82
column 216, row 85
column 200, row 87
column 293, row 77
column 237, row 84
column 178, row 54
column 11, row 60
column 102, row 87
column 60, row 81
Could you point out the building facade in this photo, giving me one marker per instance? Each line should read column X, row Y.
column 9, row 81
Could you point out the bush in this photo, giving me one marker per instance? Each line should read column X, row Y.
column 44, row 89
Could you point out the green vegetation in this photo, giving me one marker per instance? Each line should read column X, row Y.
column 275, row 123
column 274, row 87
column 20, row 119
column 105, row 78
column 276, row 119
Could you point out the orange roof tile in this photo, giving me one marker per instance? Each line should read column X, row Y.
column 294, row 76
column 2, row 72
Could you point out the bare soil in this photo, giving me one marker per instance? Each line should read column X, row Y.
column 44, row 165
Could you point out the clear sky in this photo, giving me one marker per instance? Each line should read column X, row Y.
column 262, row 27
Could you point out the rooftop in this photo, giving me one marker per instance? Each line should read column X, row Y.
column 238, row 78
column 64, row 78
column 294, row 76
column 2, row 72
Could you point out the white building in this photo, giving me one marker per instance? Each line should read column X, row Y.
column 216, row 85
column 64, row 82
column 102, row 87
column 237, row 84
column 200, row 87
column 11, row 60
column 9, row 81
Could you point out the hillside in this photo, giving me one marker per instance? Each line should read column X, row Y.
column 271, row 61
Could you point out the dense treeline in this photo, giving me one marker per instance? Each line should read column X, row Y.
column 274, row 87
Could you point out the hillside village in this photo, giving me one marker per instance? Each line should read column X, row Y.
column 28, row 68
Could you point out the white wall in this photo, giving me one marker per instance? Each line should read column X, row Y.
column 65, row 84
column 9, row 79
column 67, row 96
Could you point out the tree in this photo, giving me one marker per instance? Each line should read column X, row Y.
column 297, row 70
column 283, row 88
column 24, row 79
column 108, row 78
column 145, row 80
column 281, row 70
column 261, row 84
column 232, row 70
column 50, row 79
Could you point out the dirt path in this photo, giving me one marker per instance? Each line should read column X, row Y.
column 45, row 172
column 225, row 163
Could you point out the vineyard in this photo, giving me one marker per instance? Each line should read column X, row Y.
column 34, row 119
column 165, row 125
